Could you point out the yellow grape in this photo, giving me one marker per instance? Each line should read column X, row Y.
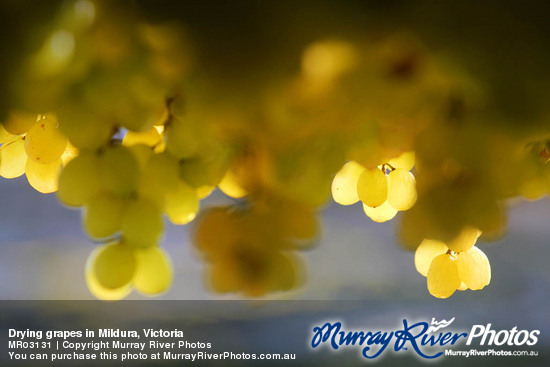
column 154, row 272
column 534, row 188
column 142, row 153
column 70, row 153
column 19, row 122
column 149, row 137
column 79, row 180
column 114, row 266
column 13, row 158
column 465, row 240
column 43, row 177
column 96, row 288
column 474, row 268
column 401, row 189
column 182, row 204
column 224, row 277
column 103, row 215
column 381, row 213
column 85, row 131
column 119, row 170
column 344, row 184
column 230, row 186
column 4, row 135
column 163, row 167
column 425, row 253
column 204, row 191
column 443, row 277
column 372, row 187
column 284, row 273
column 142, row 223
column 181, row 140
column 405, row 161
column 216, row 229
column 463, row 286
column 44, row 142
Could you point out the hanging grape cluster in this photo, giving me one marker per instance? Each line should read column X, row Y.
column 117, row 116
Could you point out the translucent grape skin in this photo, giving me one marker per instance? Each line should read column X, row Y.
column 99, row 291
column 119, row 170
column 372, row 187
column 79, row 180
column 182, row 204
column 43, row 177
column 401, row 189
column 44, row 142
column 474, row 268
column 381, row 213
column 13, row 158
column 344, row 184
column 142, row 224
column 443, row 276
column 103, row 215
column 114, row 266
column 154, row 273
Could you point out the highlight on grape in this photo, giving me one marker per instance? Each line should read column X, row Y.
column 125, row 119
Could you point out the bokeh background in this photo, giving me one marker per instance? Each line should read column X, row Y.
column 504, row 43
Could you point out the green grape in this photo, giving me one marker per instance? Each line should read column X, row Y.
column 405, row 161
column 381, row 213
column 142, row 223
column 119, row 170
column 372, row 187
column 79, row 180
column 142, row 153
column 13, row 158
column 465, row 240
column 182, row 140
column 114, row 266
column 4, row 135
column 443, row 277
column 344, row 184
column 99, row 291
column 401, row 189
column 425, row 253
column 44, row 142
column 182, row 204
column 19, row 123
column 103, row 215
column 154, row 272
column 229, row 185
column 84, row 130
column 43, row 177
column 206, row 169
column 164, row 168
column 474, row 268
column 149, row 137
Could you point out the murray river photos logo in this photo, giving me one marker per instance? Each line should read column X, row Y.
column 427, row 340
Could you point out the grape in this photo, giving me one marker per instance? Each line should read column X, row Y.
column 114, row 266
column 182, row 140
column 401, row 189
column 465, row 240
column 164, row 169
column 4, row 135
column 381, row 213
column 533, row 189
column 474, row 268
column 372, row 187
column 463, row 286
column 142, row 224
column 425, row 253
column 443, row 277
column 215, row 230
column 149, row 137
column 154, row 272
column 79, row 180
column 298, row 222
column 205, row 169
column 13, row 157
column 44, row 142
column 283, row 273
column 142, row 153
column 43, row 177
column 19, row 122
column 85, row 130
column 229, row 185
column 204, row 191
column 344, row 184
column 405, row 161
column 103, row 215
column 223, row 277
column 182, row 204
column 70, row 153
column 119, row 170
column 96, row 288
